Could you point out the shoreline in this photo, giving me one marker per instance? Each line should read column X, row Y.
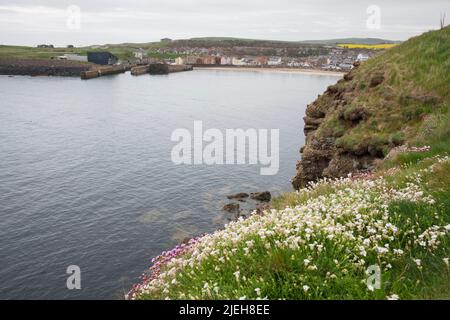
column 274, row 70
column 42, row 67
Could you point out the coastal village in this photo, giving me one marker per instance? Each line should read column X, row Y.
column 336, row 58
column 167, row 56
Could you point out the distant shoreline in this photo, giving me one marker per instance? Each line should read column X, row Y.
column 276, row 69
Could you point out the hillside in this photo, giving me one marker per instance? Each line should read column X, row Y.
column 323, row 241
column 125, row 50
column 400, row 97
column 259, row 42
column 367, row 41
column 23, row 52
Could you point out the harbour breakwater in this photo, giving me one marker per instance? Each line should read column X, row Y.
column 41, row 67
column 86, row 71
column 104, row 71
column 156, row 68
column 166, row 68
column 159, row 68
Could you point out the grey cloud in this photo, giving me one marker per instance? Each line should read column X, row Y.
column 32, row 22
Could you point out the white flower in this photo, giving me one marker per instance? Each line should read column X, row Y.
column 382, row 250
column 243, row 298
column 393, row 297
column 356, row 213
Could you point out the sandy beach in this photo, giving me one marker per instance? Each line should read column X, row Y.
column 278, row 70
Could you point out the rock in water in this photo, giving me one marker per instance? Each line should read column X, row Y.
column 261, row 196
column 231, row 207
column 240, row 195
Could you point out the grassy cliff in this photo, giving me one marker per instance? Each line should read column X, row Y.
column 399, row 97
column 327, row 239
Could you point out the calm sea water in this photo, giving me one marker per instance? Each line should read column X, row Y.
column 86, row 176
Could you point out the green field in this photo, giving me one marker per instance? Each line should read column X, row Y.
column 21, row 52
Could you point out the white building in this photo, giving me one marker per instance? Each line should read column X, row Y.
column 237, row 62
column 362, row 57
column 274, row 61
column 226, row 61
column 179, row 60
column 140, row 54
column 74, row 57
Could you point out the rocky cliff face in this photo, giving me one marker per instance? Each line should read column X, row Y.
column 321, row 156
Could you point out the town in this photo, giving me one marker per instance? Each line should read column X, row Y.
column 235, row 53
column 329, row 57
column 168, row 56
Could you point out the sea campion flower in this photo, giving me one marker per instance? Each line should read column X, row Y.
column 355, row 219
column 418, row 262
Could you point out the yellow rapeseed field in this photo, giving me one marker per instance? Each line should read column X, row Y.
column 366, row 46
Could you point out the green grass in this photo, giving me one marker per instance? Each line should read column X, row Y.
column 21, row 52
column 123, row 52
column 412, row 101
column 280, row 271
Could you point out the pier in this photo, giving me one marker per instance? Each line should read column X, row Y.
column 103, row 71
column 154, row 69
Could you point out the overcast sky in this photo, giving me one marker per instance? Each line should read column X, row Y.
column 117, row 21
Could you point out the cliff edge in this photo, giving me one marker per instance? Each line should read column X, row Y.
column 395, row 99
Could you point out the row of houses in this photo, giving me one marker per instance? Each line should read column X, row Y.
column 230, row 61
column 328, row 62
column 333, row 61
